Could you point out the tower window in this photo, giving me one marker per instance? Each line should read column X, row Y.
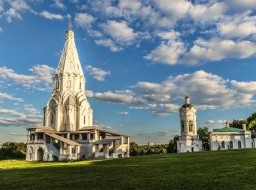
column 57, row 84
column 182, row 126
column 190, row 126
column 84, row 119
column 69, row 83
column 51, row 118
column 80, row 86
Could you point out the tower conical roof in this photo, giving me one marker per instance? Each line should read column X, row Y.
column 69, row 60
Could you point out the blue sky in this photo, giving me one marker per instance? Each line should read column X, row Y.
column 140, row 59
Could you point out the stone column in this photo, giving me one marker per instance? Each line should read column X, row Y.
column 36, row 137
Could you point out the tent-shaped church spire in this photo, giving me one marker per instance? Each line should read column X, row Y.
column 69, row 60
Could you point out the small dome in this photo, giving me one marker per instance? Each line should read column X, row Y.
column 187, row 106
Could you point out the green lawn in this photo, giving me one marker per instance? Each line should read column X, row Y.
column 205, row 170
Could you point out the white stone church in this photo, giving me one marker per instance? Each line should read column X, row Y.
column 189, row 140
column 68, row 132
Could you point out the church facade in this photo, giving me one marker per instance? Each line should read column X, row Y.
column 189, row 140
column 228, row 138
column 68, row 131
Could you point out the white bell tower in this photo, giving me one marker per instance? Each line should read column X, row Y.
column 189, row 140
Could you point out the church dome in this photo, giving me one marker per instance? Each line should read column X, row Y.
column 187, row 106
column 187, row 103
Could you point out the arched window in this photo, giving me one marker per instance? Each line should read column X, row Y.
column 239, row 144
column 190, row 124
column 231, row 145
column 223, row 145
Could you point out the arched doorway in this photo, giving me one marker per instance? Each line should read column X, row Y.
column 239, row 144
column 40, row 154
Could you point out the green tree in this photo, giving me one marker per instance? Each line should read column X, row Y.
column 13, row 150
column 238, row 123
column 172, row 146
column 251, row 121
column 134, row 149
column 203, row 134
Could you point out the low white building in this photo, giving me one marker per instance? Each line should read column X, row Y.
column 189, row 140
column 231, row 138
column 68, row 131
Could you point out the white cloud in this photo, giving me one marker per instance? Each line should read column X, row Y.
column 213, row 11
column 97, row 73
column 51, row 16
column 119, row 31
column 216, row 121
column 123, row 113
column 108, row 43
column 239, row 26
column 242, row 5
column 218, row 49
column 105, row 7
column 5, row 96
column 167, row 52
column 176, row 8
column 244, row 87
column 207, row 91
column 168, row 35
column 10, row 117
column 16, row 7
column 40, row 79
column 83, row 19
column 59, row 5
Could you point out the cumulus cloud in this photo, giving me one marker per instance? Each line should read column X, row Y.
column 83, row 19
column 217, row 49
column 244, row 87
column 239, row 26
column 108, row 43
column 40, row 78
column 207, row 91
column 97, row 73
column 167, row 52
column 213, row 11
column 176, row 8
column 16, row 7
column 119, row 31
column 59, row 4
column 51, row 16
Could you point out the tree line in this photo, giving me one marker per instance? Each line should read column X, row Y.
column 13, row 150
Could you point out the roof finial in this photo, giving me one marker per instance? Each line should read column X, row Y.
column 70, row 26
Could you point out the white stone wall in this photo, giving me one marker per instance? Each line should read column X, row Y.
column 217, row 140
